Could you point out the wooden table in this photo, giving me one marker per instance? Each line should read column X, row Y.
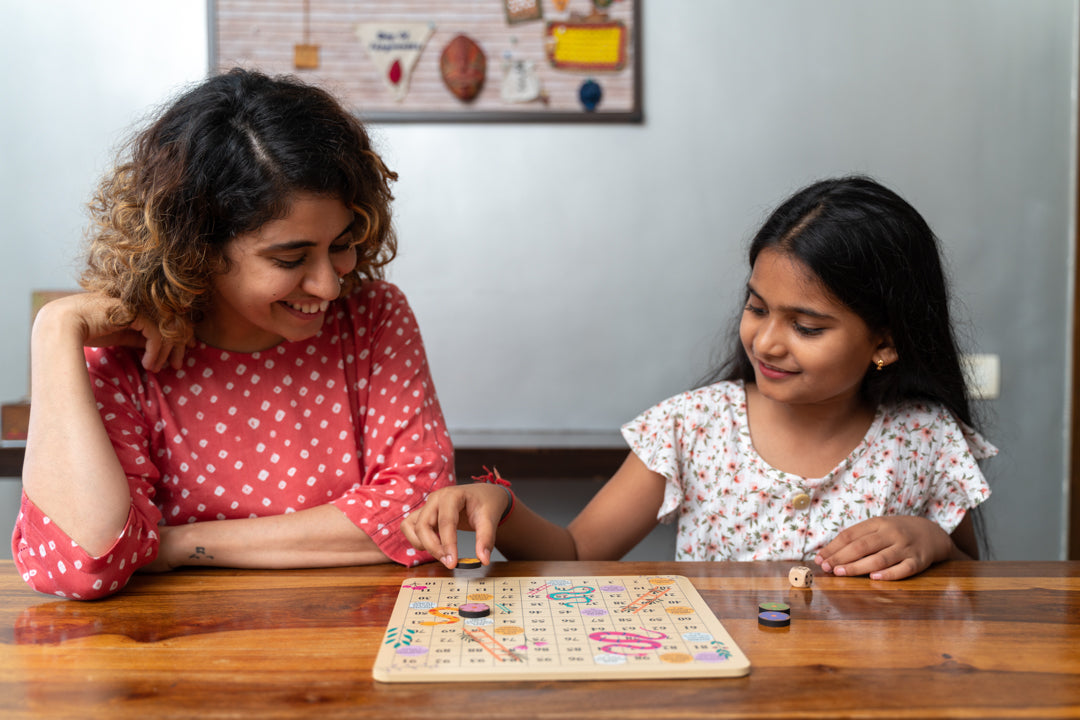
column 995, row 639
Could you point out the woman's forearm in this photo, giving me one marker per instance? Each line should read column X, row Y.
column 70, row 470
column 316, row 537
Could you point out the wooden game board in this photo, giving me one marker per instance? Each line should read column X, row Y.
column 545, row 628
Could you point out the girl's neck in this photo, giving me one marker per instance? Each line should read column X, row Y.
column 809, row 440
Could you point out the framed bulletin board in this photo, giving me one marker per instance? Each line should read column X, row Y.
column 446, row 60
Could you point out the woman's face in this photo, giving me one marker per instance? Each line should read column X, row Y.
column 281, row 277
column 805, row 346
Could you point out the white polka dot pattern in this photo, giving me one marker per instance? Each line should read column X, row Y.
column 349, row 417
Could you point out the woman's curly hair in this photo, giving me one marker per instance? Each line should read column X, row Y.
column 222, row 160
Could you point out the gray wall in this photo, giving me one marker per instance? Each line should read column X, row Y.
column 568, row 276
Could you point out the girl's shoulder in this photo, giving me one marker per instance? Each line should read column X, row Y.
column 930, row 423
column 725, row 397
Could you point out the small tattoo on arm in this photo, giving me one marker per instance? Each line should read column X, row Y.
column 200, row 554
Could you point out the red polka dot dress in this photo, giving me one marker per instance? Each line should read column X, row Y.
column 349, row 417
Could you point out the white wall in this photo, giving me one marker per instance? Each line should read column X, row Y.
column 568, row 276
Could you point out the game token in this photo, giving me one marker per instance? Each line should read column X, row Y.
column 774, row 607
column 474, row 610
column 469, row 563
column 774, row 619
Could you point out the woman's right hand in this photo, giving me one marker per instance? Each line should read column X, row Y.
column 88, row 316
column 477, row 508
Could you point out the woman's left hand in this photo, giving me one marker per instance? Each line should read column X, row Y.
column 163, row 562
column 886, row 548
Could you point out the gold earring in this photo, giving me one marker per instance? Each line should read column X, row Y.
column 880, row 364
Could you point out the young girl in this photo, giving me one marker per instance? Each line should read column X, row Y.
column 255, row 395
column 840, row 431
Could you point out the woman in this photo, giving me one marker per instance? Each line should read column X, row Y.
column 251, row 392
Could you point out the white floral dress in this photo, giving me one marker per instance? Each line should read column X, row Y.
column 915, row 459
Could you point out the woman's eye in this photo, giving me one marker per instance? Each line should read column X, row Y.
column 343, row 247
column 288, row 264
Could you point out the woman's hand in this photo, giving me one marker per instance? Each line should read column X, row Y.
column 163, row 562
column 88, row 315
column 887, row 548
column 476, row 507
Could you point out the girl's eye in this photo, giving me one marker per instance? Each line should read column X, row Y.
column 750, row 308
column 808, row 331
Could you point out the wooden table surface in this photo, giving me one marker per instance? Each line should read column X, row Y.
column 993, row 639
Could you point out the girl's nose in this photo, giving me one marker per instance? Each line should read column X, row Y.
column 768, row 339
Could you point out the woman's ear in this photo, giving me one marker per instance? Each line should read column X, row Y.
column 886, row 352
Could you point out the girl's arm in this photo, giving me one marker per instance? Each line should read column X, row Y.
column 614, row 521
column 71, row 472
column 896, row 547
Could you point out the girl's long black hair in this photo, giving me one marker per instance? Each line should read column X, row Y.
column 877, row 255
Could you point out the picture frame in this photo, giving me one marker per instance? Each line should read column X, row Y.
column 447, row 61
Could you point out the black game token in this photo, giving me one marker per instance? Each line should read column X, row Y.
column 468, row 563
column 474, row 610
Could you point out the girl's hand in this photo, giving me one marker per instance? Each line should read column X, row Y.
column 88, row 314
column 886, row 548
column 476, row 507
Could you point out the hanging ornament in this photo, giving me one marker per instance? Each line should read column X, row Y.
column 464, row 67
column 306, row 55
column 395, row 48
column 590, row 94
column 521, row 81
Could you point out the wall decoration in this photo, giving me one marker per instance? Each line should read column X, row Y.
column 394, row 49
column 463, row 67
column 523, row 10
column 448, row 61
column 593, row 44
column 306, row 55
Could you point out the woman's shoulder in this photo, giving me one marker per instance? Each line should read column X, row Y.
column 116, row 363
column 372, row 293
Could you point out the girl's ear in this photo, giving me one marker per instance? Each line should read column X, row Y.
column 886, row 352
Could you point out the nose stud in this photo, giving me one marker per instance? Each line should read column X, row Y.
column 341, row 281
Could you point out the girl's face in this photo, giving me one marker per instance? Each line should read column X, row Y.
column 806, row 347
column 281, row 277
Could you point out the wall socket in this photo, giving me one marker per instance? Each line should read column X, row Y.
column 983, row 373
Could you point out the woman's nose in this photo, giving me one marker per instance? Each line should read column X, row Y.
column 324, row 281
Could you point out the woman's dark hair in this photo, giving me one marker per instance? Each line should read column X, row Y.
column 877, row 256
column 223, row 159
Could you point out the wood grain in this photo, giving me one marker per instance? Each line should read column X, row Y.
column 960, row 640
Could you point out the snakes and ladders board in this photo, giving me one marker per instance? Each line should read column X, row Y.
column 550, row 628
